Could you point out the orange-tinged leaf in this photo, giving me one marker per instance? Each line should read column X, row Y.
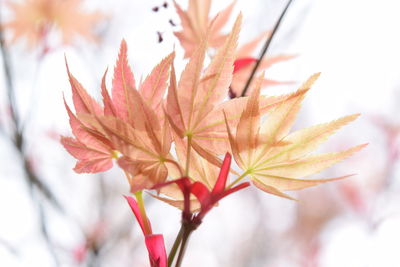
column 89, row 160
column 83, row 102
column 209, row 155
column 84, row 135
column 198, row 14
column 211, row 131
column 173, row 110
column 219, row 22
column 289, row 184
column 153, row 88
column 280, row 119
column 196, row 97
column 213, row 90
column 199, row 169
column 127, row 140
column 143, row 174
column 128, row 127
column 188, row 35
column 261, row 151
column 304, row 141
column 189, row 84
column 194, row 203
column 214, row 122
column 305, row 166
column 93, row 165
column 109, row 109
column 122, row 85
column 270, row 189
column 195, row 25
column 145, row 151
column 93, row 151
column 234, row 145
column 248, row 126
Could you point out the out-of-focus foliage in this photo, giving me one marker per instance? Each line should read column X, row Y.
column 33, row 20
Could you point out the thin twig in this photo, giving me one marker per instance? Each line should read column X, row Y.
column 175, row 247
column 45, row 233
column 187, row 230
column 264, row 50
column 10, row 248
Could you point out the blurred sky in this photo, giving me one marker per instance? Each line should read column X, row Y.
column 354, row 43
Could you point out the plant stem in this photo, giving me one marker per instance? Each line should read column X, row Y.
column 188, row 229
column 189, row 148
column 140, row 201
column 175, row 247
column 265, row 49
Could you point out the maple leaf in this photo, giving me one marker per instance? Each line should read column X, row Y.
column 192, row 104
column 33, row 19
column 145, row 155
column 244, row 65
column 92, row 149
column 124, row 92
column 275, row 160
column 145, row 140
column 133, row 122
column 130, row 126
column 195, row 24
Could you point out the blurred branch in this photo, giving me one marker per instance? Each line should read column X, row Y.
column 17, row 136
column 109, row 241
column 18, row 141
column 265, row 49
column 9, row 84
column 10, row 248
column 45, row 233
column 255, row 248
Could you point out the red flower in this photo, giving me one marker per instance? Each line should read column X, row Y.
column 154, row 243
column 207, row 198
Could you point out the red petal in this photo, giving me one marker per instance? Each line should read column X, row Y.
column 185, row 186
column 242, row 62
column 223, row 175
column 135, row 208
column 202, row 194
column 233, row 190
column 216, row 198
column 156, row 248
